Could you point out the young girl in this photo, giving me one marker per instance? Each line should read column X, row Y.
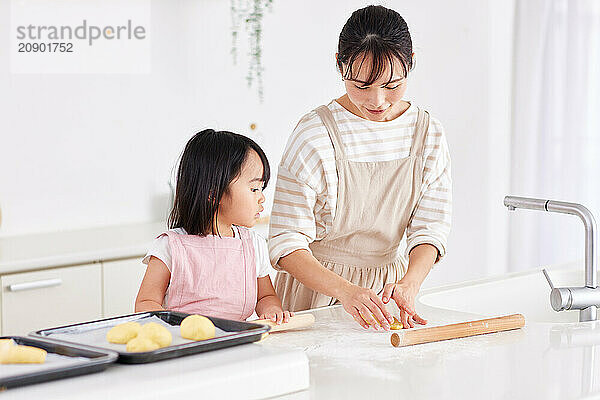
column 209, row 262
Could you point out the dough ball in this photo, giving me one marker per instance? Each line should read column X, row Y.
column 15, row 354
column 157, row 333
column 140, row 344
column 123, row 333
column 197, row 327
column 396, row 325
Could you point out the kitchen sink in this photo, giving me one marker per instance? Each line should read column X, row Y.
column 526, row 293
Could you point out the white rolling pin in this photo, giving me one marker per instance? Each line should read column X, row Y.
column 297, row 321
column 463, row 329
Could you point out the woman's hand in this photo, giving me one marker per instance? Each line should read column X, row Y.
column 277, row 315
column 404, row 294
column 365, row 307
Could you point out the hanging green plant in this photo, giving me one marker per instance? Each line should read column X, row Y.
column 251, row 12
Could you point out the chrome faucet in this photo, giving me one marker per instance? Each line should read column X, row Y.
column 585, row 299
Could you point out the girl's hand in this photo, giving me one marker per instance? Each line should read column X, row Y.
column 277, row 315
column 404, row 294
column 365, row 307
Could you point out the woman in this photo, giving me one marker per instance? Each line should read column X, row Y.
column 355, row 176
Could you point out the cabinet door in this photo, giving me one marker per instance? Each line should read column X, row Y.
column 122, row 281
column 50, row 298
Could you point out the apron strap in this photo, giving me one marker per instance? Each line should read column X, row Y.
column 332, row 129
column 418, row 142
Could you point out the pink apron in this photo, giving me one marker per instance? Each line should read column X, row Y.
column 212, row 275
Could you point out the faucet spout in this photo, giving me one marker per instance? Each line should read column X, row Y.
column 513, row 202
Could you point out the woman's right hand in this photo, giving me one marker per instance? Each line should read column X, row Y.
column 365, row 307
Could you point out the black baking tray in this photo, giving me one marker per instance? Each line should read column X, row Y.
column 98, row 361
column 238, row 333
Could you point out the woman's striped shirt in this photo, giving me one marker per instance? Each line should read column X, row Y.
column 306, row 190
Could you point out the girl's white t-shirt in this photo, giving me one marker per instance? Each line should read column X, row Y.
column 160, row 249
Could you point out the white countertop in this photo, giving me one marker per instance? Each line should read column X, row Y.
column 540, row 361
column 247, row 371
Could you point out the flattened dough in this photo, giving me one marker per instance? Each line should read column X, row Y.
column 123, row 333
column 396, row 325
column 197, row 327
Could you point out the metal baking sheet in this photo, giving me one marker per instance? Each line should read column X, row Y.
column 62, row 361
column 93, row 334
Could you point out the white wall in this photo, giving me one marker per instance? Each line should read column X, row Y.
column 80, row 151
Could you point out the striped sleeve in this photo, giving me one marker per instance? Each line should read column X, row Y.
column 298, row 206
column 430, row 223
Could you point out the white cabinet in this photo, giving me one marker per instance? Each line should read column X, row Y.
column 50, row 298
column 122, row 280
column 58, row 278
column 61, row 296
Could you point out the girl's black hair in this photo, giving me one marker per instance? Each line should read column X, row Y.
column 377, row 32
column 210, row 161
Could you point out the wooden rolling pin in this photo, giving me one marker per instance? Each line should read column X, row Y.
column 297, row 321
column 460, row 330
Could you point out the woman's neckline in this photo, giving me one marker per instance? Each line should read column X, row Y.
column 405, row 112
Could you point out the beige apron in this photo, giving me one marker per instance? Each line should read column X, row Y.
column 375, row 201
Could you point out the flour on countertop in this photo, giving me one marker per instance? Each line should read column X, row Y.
column 337, row 340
